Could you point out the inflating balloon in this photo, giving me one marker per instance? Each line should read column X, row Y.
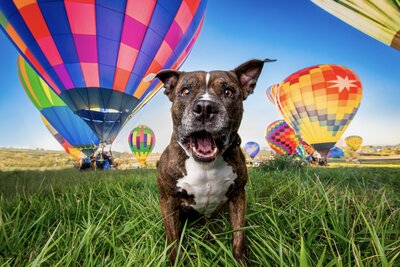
column 271, row 92
column 301, row 151
column 353, row 141
column 335, row 153
column 141, row 141
column 282, row 139
column 379, row 19
column 68, row 125
column 96, row 54
column 74, row 152
column 252, row 149
column 319, row 102
column 309, row 149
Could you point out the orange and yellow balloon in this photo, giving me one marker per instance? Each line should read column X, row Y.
column 319, row 102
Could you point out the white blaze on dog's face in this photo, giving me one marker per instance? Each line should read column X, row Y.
column 207, row 107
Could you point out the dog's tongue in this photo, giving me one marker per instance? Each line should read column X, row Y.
column 205, row 144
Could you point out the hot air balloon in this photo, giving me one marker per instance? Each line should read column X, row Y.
column 301, row 151
column 95, row 54
column 282, row 139
column 141, row 141
column 335, row 153
column 309, row 149
column 379, row 19
column 353, row 142
column 68, row 125
column 271, row 92
column 252, row 149
column 319, row 102
column 74, row 152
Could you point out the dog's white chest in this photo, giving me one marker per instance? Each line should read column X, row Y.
column 208, row 183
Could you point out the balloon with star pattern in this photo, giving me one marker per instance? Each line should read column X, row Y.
column 319, row 102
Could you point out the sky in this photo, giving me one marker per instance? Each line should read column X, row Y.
column 295, row 32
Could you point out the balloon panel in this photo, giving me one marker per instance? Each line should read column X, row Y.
column 252, row 149
column 104, row 46
column 319, row 102
column 282, row 138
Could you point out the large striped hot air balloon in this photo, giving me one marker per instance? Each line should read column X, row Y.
column 70, row 126
column 281, row 138
column 95, row 54
column 353, row 142
column 141, row 141
column 379, row 19
column 319, row 102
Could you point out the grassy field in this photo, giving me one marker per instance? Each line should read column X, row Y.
column 296, row 217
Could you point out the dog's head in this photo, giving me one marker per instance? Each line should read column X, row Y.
column 207, row 107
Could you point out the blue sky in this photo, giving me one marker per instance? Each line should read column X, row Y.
column 296, row 32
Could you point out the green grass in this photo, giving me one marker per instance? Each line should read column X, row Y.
column 296, row 216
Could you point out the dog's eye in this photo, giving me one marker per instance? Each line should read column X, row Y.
column 185, row 91
column 229, row 92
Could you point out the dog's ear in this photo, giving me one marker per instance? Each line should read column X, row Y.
column 248, row 74
column 170, row 79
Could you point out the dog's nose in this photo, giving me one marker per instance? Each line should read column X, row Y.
column 205, row 110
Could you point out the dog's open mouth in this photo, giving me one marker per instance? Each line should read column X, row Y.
column 203, row 146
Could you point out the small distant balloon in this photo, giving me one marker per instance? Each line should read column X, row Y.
column 335, row 153
column 141, row 141
column 353, row 141
column 252, row 149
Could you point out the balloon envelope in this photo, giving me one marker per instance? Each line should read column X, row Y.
column 282, row 138
column 335, row 152
column 271, row 92
column 319, row 102
column 141, row 141
column 96, row 54
column 308, row 148
column 353, row 141
column 379, row 19
column 301, row 151
column 252, row 149
column 68, row 125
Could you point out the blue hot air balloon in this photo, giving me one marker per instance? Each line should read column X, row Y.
column 252, row 149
